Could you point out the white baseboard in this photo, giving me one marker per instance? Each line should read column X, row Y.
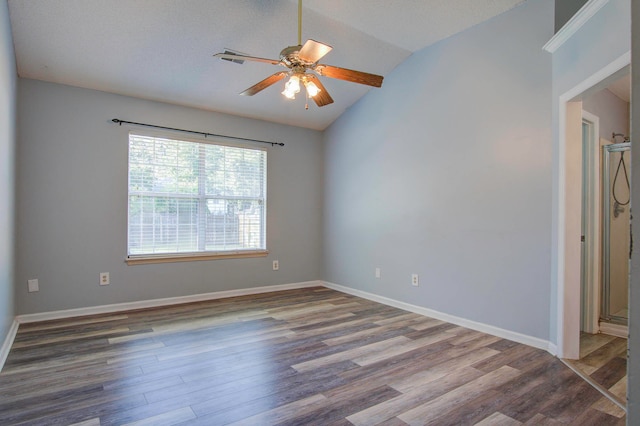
column 154, row 303
column 484, row 328
column 8, row 341
column 614, row 329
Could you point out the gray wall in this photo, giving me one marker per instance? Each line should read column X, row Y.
column 445, row 172
column 633, row 416
column 72, row 202
column 7, row 145
column 612, row 111
column 565, row 9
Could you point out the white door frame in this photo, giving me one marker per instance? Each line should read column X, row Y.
column 591, row 218
column 569, row 163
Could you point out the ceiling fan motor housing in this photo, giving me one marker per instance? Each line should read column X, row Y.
column 289, row 56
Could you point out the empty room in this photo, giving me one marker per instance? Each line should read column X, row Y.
column 296, row 212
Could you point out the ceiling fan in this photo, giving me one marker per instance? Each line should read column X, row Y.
column 301, row 61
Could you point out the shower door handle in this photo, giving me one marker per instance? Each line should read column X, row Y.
column 630, row 233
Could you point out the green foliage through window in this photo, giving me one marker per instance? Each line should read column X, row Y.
column 189, row 197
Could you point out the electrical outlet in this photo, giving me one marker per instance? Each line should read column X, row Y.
column 276, row 265
column 104, row 278
column 377, row 272
column 414, row 280
column 33, row 286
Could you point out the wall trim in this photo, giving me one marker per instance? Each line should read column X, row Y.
column 614, row 329
column 154, row 303
column 591, row 219
column 463, row 322
column 572, row 26
column 8, row 342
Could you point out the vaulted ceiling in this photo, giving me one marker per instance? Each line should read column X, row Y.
column 162, row 49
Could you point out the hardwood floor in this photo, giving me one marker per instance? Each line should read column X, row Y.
column 309, row 356
column 603, row 359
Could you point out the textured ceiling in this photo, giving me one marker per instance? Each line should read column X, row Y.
column 162, row 49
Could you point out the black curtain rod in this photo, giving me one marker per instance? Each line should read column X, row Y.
column 205, row 134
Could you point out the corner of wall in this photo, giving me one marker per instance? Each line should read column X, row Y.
column 8, row 107
column 5, row 348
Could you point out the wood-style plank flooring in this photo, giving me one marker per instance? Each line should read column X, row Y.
column 603, row 358
column 299, row 357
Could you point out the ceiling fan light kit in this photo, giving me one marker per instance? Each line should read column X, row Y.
column 302, row 62
column 312, row 89
column 292, row 87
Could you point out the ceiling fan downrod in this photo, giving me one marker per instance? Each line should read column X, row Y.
column 299, row 22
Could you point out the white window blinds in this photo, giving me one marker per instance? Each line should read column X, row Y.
column 189, row 197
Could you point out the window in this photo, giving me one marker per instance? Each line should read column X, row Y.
column 189, row 199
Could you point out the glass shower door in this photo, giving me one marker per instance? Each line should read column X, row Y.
column 616, row 232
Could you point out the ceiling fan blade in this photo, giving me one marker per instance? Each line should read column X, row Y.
column 265, row 83
column 322, row 98
column 233, row 57
column 349, row 75
column 313, row 50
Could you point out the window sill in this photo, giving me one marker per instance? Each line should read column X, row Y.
column 192, row 257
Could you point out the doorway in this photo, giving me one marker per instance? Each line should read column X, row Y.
column 606, row 216
column 606, row 219
column 570, row 204
column 595, row 332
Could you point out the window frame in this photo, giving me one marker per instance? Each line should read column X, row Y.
column 150, row 258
